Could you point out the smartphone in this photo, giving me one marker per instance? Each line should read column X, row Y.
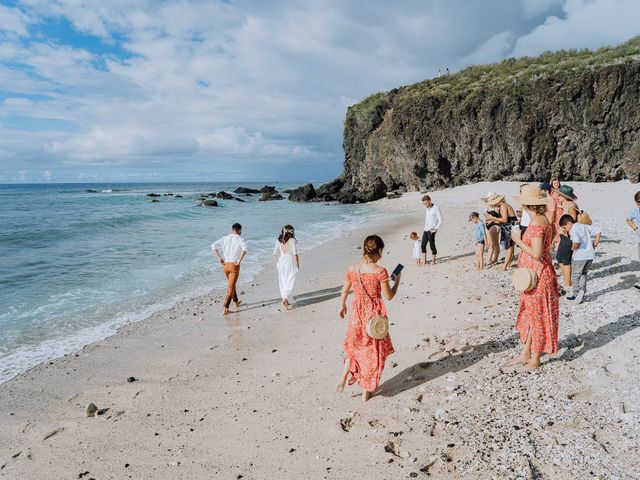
column 396, row 271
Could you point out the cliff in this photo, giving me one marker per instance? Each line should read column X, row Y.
column 570, row 114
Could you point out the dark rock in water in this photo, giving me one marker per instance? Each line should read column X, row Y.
column 212, row 194
column 239, row 199
column 267, row 196
column 153, row 195
column 208, row 203
column 177, row 196
column 168, row 194
column 268, row 189
column 90, row 190
column 520, row 120
column 224, row 196
column 303, row 194
column 155, row 200
column 287, row 191
column 245, row 190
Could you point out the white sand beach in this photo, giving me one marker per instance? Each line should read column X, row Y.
column 252, row 395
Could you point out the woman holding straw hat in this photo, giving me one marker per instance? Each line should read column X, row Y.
column 539, row 307
column 287, row 260
column 365, row 356
column 506, row 221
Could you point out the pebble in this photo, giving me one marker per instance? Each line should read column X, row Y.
column 90, row 410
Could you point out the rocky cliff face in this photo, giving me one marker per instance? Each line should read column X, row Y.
column 568, row 114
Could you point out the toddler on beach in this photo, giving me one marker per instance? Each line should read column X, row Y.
column 480, row 236
column 417, row 248
column 584, row 253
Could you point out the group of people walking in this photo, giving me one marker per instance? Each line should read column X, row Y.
column 549, row 216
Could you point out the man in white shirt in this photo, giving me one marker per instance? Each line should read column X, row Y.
column 584, row 253
column 234, row 249
column 432, row 223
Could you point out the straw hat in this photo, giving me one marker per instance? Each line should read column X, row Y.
column 487, row 196
column 567, row 192
column 531, row 195
column 524, row 279
column 495, row 199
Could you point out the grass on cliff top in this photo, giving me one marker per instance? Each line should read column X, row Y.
column 507, row 74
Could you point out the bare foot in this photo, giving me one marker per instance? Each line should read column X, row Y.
column 365, row 395
column 238, row 303
column 340, row 387
column 531, row 365
column 285, row 305
column 226, row 311
column 519, row 360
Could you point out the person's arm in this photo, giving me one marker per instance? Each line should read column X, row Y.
column 294, row 251
column 573, row 211
column 346, row 289
column 596, row 240
column 632, row 224
column 215, row 249
column 438, row 218
column 244, row 253
column 389, row 291
column 536, row 250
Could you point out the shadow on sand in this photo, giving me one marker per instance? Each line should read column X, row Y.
column 424, row 372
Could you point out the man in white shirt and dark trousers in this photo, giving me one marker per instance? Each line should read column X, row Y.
column 584, row 253
column 433, row 222
column 234, row 248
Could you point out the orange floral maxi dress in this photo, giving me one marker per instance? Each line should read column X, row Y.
column 366, row 354
column 540, row 307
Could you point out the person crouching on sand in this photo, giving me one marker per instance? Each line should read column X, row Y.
column 234, row 249
column 480, row 236
column 365, row 356
column 417, row 248
column 539, row 311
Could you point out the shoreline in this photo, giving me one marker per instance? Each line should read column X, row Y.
column 252, row 394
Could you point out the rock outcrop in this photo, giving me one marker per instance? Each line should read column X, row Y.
column 570, row 114
column 305, row 193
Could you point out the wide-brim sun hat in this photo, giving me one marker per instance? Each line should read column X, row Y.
column 532, row 195
column 567, row 192
column 495, row 199
column 487, row 196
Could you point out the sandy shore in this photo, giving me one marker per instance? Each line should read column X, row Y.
column 252, row 395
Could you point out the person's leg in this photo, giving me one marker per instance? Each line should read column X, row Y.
column 525, row 355
column 229, row 294
column 233, row 280
column 479, row 256
column 494, row 252
column 508, row 259
column 432, row 245
column 343, row 377
column 566, row 275
column 583, row 281
column 576, row 274
column 423, row 246
column 637, row 285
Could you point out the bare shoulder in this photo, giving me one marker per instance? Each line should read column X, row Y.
column 540, row 220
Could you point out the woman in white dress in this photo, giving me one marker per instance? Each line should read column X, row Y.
column 288, row 263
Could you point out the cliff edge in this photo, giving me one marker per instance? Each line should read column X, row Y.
column 571, row 114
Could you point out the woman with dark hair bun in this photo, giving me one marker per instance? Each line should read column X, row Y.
column 288, row 262
column 365, row 356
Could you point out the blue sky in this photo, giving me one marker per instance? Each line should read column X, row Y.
column 180, row 90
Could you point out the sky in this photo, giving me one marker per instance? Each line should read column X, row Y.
column 246, row 90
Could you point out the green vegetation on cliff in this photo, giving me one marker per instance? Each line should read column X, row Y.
column 509, row 76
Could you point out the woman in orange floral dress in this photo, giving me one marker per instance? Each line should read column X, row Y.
column 365, row 356
column 539, row 308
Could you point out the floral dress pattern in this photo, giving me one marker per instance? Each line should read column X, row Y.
column 367, row 355
column 539, row 308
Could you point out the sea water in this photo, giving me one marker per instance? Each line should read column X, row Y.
column 77, row 261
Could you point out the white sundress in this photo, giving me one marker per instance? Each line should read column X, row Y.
column 287, row 268
column 417, row 249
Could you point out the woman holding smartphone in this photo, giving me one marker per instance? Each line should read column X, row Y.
column 365, row 356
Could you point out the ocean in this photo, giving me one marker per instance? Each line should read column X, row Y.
column 78, row 261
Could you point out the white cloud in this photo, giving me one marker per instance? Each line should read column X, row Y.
column 208, row 82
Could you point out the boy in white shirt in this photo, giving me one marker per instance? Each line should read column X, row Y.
column 584, row 252
column 234, row 248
